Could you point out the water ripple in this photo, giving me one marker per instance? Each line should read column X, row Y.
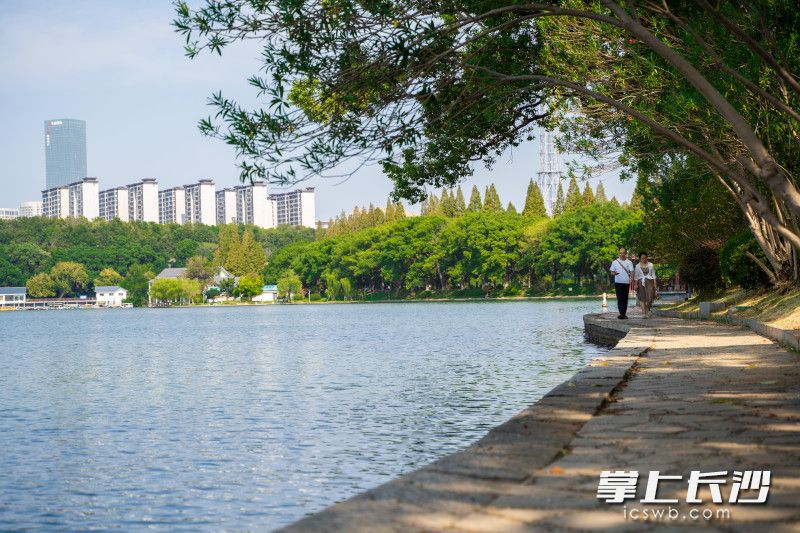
column 250, row 418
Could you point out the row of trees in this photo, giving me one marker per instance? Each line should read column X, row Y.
column 32, row 245
column 239, row 255
column 482, row 250
column 450, row 203
column 362, row 218
column 176, row 290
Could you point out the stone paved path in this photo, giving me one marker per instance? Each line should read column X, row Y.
column 673, row 396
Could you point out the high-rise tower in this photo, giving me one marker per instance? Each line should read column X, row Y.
column 65, row 151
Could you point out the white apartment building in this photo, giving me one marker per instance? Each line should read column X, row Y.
column 226, row 206
column 8, row 213
column 143, row 201
column 253, row 205
column 55, row 202
column 201, row 203
column 114, row 204
column 30, row 209
column 295, row 208
column 172, row 206
column 246, row 204
column 83, row 199
column 79, row 199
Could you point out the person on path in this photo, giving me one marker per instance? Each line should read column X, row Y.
column 646, row 289
column 622, row 268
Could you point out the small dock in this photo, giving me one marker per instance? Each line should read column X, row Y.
column 32, row 304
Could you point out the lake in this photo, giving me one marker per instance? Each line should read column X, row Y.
column 248, row 418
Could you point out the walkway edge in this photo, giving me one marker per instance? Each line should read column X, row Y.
column 459, row 484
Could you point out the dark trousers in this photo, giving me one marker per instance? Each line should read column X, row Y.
column 622, row 297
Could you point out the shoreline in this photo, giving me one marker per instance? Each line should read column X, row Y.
column 338, row 302
column 672, row 395
column 390, row 301
column 511, row 452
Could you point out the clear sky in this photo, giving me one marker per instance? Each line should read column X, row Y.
column 119, row 66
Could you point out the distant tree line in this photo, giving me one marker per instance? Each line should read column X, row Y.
column 68, row 257
column 478, row 247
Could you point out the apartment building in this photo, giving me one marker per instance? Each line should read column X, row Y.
column 75, row 200
column 143, row 201
column 172, row 206
column 201, row 202
column 114, row 204
column 295, row 208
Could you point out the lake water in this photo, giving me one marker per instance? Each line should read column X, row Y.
column 248, row 418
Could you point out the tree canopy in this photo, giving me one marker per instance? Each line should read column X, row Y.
column 427, row 88
column 124, row 253
column 484, row 251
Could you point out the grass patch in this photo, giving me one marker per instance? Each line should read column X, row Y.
column 730, row 296
column 777, row 308
column 780, row 309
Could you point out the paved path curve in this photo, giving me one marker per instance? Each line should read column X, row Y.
column 673, row 396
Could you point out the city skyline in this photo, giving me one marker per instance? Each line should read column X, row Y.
column 96, row 53
column 193, row 203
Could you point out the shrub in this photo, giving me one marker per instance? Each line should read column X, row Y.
column 739, row 269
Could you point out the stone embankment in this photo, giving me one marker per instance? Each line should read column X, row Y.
column 672, row 396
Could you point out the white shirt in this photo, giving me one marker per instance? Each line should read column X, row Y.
column 640, row 276
column 623, row 268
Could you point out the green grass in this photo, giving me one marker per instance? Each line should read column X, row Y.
column 778, row 308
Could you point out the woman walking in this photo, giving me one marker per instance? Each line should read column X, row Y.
column 645, row 277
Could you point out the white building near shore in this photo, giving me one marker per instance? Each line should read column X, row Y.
column 13, row 296
column 269, row 293
column 110, row 295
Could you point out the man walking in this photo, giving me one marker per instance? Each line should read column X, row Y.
column 622, row 267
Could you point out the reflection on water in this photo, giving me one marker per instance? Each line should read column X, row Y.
column 249, row 418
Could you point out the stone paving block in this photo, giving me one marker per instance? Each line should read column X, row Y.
column 490, row 465
column 534, row 449
column 597, row 520
column 537, row 497
column 553, row 423
column 484, row 522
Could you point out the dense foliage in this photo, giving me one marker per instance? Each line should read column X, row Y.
column 739, row 260
column 43, row 253
column 427, row 88
column 700, row 268
column 478, row 252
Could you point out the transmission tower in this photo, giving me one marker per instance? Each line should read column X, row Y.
column 549, row 174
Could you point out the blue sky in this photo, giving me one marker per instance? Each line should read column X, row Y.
column 119, row 66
